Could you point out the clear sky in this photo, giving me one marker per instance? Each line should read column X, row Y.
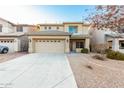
column 45, row 14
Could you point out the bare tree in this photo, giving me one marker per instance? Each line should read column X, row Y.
column 110, row 16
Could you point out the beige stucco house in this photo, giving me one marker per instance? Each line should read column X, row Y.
column 112, row 39
column 13, row 36
column 48, row 38
column 59, row 38
column 115, row 42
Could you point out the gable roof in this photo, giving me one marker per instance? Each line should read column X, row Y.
column 6, row 21
column 115, row 35
column 48, row 33
column 13, row 34
column 82, row 36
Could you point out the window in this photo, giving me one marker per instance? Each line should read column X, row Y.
column 19, row 28
column 72, row 29
column 49, row 27
column 45, row 27
column 1, row 28
column 79, row 45
column 110, row 44
column 121, row 44
column 57, row 27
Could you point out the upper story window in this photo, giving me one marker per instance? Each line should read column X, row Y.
column 57, row 27
column 73, row 29
column 1, row 28
column 19, row 28
column 49, row 27
column 45, row 27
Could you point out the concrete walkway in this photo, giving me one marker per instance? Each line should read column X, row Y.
column 37, row 71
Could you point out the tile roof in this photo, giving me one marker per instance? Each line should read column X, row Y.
column 48, row 33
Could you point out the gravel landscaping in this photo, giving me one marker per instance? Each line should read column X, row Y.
column 93, row 73
column 9, row 56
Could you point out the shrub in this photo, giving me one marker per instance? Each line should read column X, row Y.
column 84, row 50
column 115, row 55
column 107, row 50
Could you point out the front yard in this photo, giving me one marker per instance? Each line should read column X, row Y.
column 9, row 56
column 93, row 73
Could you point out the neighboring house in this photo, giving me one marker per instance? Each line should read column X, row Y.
column 13, row 36
column 12, row 41
column 113, row 40
column 116, row 42
column 59, row 38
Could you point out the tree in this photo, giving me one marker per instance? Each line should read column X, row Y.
column 110, row 16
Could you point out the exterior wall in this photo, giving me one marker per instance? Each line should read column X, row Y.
column 98, row 38
column 87, row 43
column 25, row 29
column 115, row 43
column 52, row 27
column 32, row 42
column 16, row 42
column 6, row 26
column 28, row 29
column 85, row 29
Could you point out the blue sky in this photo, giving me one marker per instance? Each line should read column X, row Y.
column 43, row 13
column 67, row 12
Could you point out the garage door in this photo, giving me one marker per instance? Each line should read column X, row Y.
column 9, row 44
column 49, row 46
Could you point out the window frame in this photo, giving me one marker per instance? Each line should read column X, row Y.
column 18, row 29
column 57, row 27
column 1, row 27
column 120, row 44
column 73, row 27
column 45, row 27
column 50, row 27
column 79, row 44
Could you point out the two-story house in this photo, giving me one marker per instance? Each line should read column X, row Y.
column 50, row 38
column 59, row 38
column 12, row 36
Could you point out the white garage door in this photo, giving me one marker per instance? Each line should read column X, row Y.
column 9, row 44
column 49, row 46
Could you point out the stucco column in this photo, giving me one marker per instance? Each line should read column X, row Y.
column 87, row 43
column 16, row 45
column 67, row 45
column 31, row 45
column 115, row 44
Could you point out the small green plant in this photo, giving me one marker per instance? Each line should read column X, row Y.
column 107, row 50
column 84, row 50
column 115, row 55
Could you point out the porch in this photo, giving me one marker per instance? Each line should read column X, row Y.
column 78, row 42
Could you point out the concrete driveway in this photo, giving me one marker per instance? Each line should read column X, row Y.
column 37, row 70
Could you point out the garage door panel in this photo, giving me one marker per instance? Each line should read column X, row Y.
column 9, row 44
column 49, row 46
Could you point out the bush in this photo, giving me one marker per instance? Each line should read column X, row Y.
column 84, row 50
column 115, row 55
column 107, row 50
